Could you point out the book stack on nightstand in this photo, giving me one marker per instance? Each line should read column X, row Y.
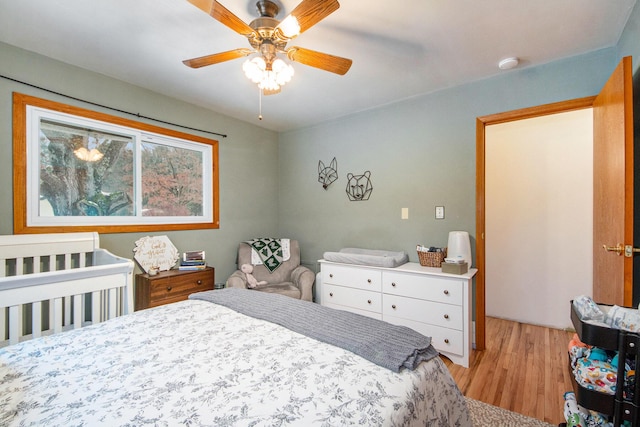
column 192, row 265
column 192, row 261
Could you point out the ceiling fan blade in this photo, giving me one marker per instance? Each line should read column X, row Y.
column 222, row 14
column 324, row 61
column 216, row 58
column 310, row 12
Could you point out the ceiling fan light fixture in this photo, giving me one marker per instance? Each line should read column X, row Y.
column 289, row 27
column 254, row 69
column 257, row 71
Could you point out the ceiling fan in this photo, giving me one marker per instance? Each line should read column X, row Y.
column 268, row 37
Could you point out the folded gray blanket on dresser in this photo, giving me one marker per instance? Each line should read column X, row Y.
column 391, row 346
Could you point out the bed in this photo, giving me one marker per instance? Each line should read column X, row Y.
column 231, row 357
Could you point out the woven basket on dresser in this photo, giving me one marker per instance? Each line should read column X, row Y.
column 432, row 259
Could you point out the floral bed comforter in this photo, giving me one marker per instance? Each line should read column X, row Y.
column 195, row 363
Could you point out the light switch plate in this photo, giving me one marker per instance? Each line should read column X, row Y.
column 404, row 213
column 439, row 212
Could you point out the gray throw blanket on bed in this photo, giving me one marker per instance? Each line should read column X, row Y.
column 391, row 346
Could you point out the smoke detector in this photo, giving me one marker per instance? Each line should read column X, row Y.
column 508, row 63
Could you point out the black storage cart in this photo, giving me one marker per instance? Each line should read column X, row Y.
column 627, row 345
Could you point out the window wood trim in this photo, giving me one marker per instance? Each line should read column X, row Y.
column 20, row 225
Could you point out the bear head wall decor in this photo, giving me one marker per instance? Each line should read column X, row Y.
column 359, row 187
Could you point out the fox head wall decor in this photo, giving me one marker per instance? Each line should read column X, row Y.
column 327, row 174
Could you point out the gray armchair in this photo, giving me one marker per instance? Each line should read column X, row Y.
column 290, row 278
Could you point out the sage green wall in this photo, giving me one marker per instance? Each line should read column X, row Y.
column 421, row 154
column 248, row 206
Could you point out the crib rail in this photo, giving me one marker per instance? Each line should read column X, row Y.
column 55, row 282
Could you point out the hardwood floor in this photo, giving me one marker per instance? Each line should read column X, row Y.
column 523, row 369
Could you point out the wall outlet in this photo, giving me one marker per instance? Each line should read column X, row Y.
column 405, row 213
column 439, row 212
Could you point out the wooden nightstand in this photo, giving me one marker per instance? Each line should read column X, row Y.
column 171, row 286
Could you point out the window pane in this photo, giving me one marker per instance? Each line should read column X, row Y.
column 84, row 172
column 171, row 181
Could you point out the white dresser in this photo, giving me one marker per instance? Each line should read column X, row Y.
column 434, row 303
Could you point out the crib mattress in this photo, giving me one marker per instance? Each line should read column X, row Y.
column 369, row 257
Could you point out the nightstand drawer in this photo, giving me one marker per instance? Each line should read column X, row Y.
column 171, row 286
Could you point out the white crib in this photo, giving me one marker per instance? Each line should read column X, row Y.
column 53, row 282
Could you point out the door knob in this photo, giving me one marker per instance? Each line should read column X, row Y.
column 617, row 249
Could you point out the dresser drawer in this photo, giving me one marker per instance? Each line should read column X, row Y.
column 434, row 313
column 372, row 314
column 350, row 297
column 444, row 340
column 449, row 291
column 361, row 278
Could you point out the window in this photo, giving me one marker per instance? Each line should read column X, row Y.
column 79, row 170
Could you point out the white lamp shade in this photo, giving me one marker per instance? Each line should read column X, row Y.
column 459, row 246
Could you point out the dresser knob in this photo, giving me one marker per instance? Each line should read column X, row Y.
column 446, row 316
column 199, row 282
column 331, row 275
column 168, row 288
column 393, row 306
column 393, row 284
column 446, row 340
column 446, row 292
column 369, row 301
column 368, row 280
column 330, row 294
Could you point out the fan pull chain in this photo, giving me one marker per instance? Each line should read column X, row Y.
column 260, row 103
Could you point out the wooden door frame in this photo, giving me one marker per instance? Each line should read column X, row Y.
column 481, row 124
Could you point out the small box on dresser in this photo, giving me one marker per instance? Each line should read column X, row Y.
column 454, row 267
column 171, row 286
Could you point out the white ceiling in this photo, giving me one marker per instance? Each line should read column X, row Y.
column 399, row 49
